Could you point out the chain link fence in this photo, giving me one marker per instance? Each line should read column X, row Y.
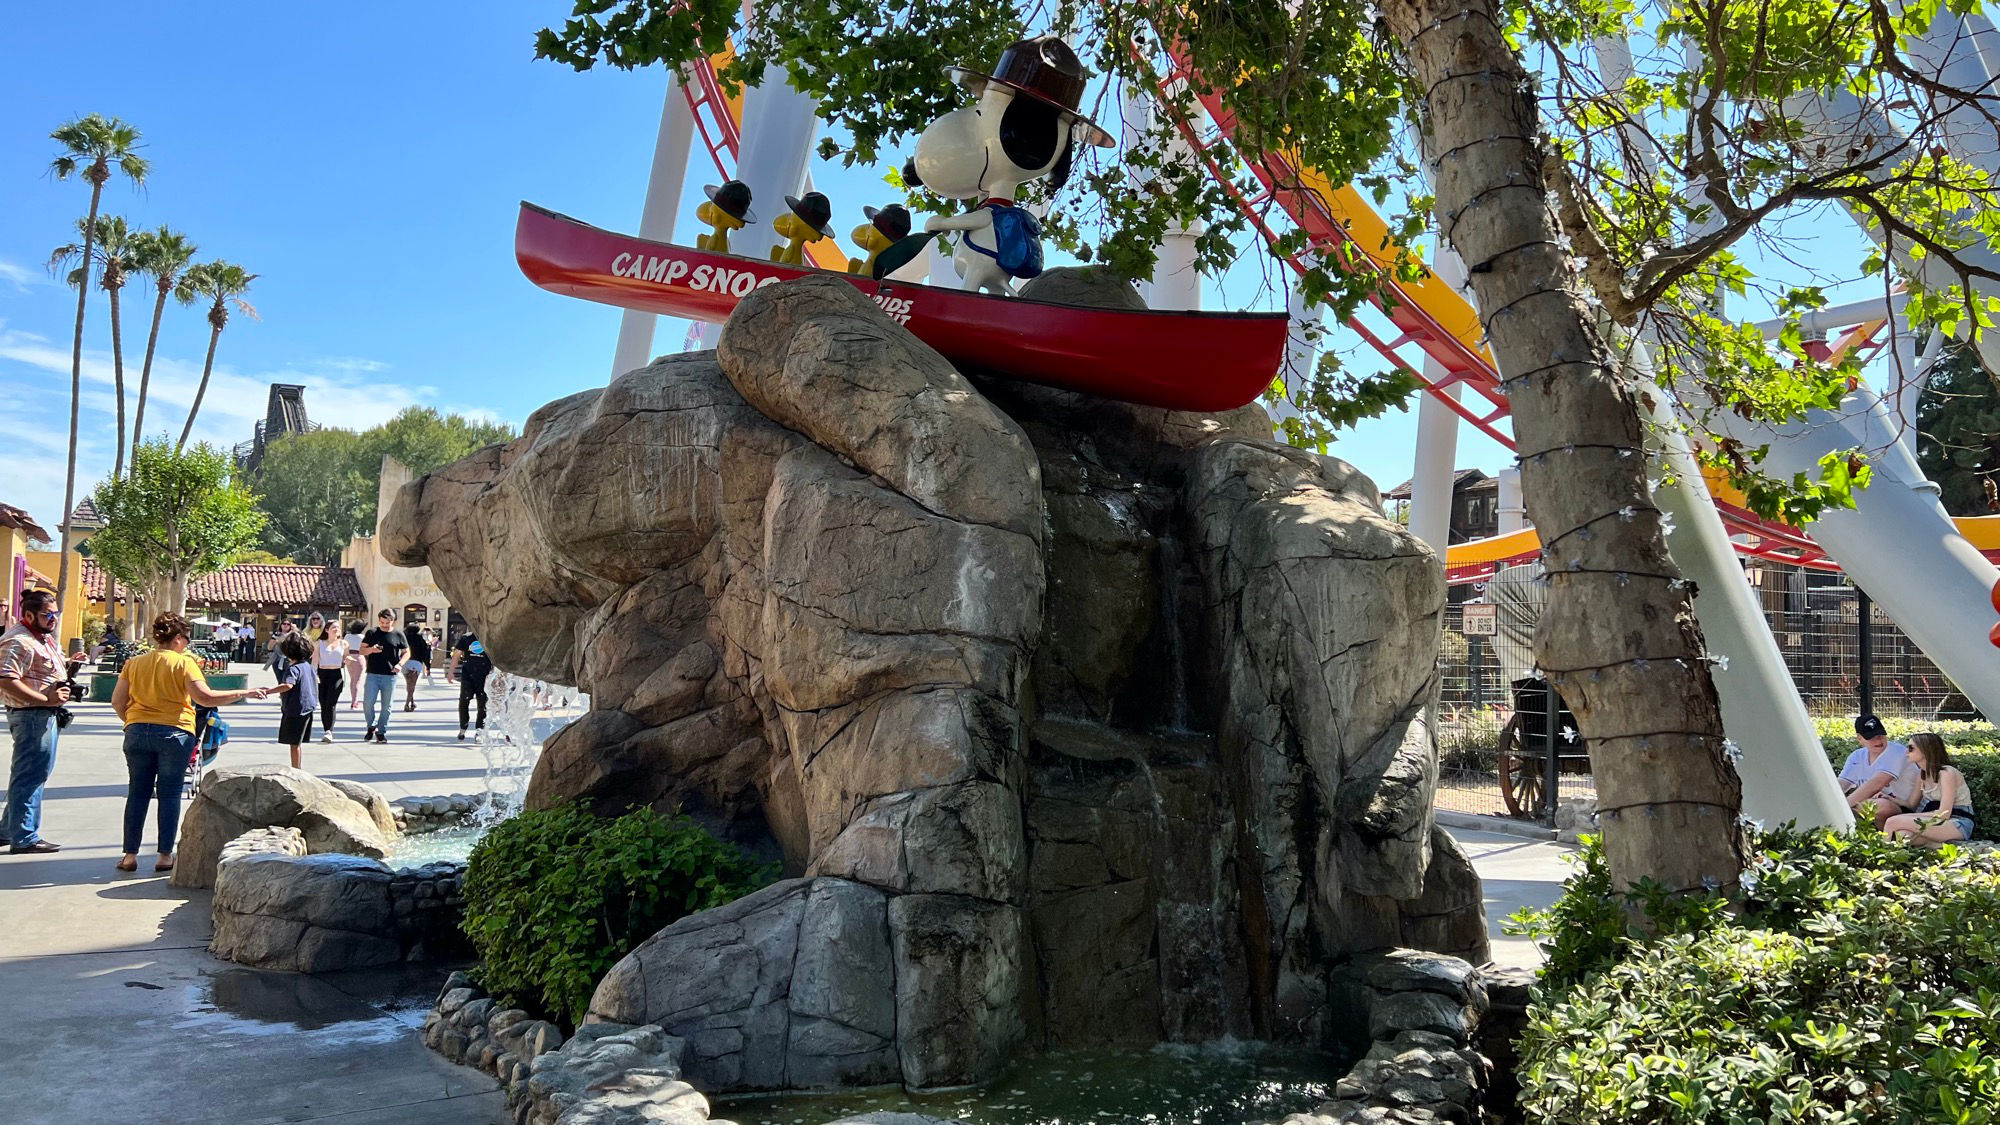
column 1495, row 746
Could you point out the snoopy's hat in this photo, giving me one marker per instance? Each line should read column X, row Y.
column 814, row 209
column 732, row 199
column 893, row 220
column 1043, row 68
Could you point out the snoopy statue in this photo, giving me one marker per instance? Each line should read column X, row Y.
column 1024, row 126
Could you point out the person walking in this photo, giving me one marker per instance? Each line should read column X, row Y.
column 355, row 665
column 419, row 661
column 34, row 686
column 301, row 699
column 155, row 699
column 274, row 656
column 330, row 662
column 382, row 649
column 470, row 666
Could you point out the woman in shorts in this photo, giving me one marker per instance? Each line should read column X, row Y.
column 1946, row 813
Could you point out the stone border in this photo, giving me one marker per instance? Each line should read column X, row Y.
column 604, row 1074
column 1424, row 1016
column 417, row 815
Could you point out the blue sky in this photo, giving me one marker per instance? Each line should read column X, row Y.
column 366, row 162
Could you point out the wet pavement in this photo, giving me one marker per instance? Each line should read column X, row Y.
column 118, row 1014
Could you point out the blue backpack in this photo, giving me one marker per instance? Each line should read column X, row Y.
column 1017, row 240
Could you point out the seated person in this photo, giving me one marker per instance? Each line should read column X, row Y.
column 1872, row 771
column 1946, row 812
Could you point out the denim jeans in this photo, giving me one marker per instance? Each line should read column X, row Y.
column 156, row 758
column 34, row 734
column 378, row 693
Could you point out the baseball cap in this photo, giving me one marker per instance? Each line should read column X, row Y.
column 1868, row 726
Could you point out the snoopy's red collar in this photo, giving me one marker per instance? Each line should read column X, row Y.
column 996, row 201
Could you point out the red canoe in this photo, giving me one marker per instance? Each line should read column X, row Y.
column 1182, row 360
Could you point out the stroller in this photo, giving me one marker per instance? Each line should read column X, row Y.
column 210, row 732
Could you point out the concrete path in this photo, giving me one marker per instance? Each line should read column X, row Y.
column 118, row 1014
column 1518, row 872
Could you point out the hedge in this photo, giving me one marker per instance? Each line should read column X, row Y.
column 1851, row 981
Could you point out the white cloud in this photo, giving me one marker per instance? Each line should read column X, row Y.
column 344, row 391
column 18, row 277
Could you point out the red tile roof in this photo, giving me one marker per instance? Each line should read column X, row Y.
column 259, row 584
column 10, row 516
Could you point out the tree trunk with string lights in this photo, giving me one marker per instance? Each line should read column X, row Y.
column 1618, row 637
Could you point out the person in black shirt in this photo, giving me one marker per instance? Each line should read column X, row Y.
column 382, row 650
column 469, row 664
column 419, row 660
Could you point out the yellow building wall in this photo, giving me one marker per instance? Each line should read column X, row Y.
column 50, row 563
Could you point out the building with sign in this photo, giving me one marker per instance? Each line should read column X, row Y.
column 409, row 590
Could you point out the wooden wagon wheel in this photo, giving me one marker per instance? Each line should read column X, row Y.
column 1521, row 783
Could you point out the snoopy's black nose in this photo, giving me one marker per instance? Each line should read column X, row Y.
column 910, row 176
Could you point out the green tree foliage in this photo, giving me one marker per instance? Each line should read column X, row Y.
column 554, row 897
column 319, row 489
column 162, row 255
column 111, row 247
column 1958, row 427
column 179, row 514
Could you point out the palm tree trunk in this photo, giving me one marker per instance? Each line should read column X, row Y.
column 146, row 372
column 75, row 397
column 207, row 366
column 118, row 382
column 1618, row 635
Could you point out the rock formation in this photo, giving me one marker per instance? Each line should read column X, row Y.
column 333, row 816
column 1079, row 722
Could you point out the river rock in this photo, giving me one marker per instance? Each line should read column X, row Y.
column 235, row 800
column 1073, row 721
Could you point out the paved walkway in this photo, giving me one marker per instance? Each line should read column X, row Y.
column 1518, row 872
column 118, row 1014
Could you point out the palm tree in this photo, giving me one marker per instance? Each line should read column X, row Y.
column 110, row 247
column 222, row 283
column 91, row 144
column 162, row 255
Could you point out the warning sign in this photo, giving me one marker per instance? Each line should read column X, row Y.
column 1482, row 621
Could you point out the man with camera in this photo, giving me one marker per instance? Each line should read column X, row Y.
column 34, row 686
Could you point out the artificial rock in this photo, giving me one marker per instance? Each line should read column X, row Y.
column 1075, row 721
column 344, row 817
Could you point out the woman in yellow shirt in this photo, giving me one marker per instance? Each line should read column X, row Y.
column 155, row 699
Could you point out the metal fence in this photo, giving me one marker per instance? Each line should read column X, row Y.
column 1495, row 760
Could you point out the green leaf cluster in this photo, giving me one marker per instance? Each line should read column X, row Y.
column 319, row 489
column 555, row 897
column 178, row 514
column 1852, row 981
column 1958, row 424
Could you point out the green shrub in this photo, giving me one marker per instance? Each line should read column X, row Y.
column 1854, row 980
column 554, row 898
column 1975, row 750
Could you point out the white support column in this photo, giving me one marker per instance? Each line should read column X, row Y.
column 1175, row 283
column 1437, row 439
column 1301, row 352
column 1513, row 509
column 656, row 220
column 779, row 124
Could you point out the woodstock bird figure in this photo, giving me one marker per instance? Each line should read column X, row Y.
column 1024, row 126
column 810, row 220
column 727, row 209
column 884, row 228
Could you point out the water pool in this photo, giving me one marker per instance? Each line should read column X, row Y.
column 446, row 845
column 1227, row 1083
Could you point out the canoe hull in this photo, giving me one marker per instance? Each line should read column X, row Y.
column 1179, row 360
